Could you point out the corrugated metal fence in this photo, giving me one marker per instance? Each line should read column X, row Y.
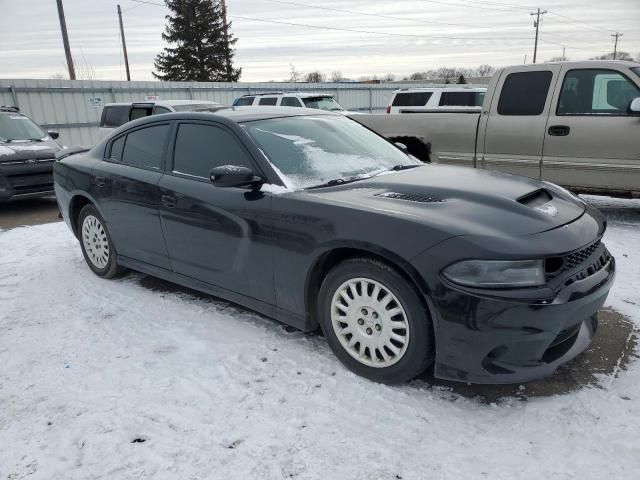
column 74, row 106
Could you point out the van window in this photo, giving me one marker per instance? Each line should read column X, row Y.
column 596, row 91
column 290, row 102
column 199, row 148
column 461, row 99
column 411, row 99
column 114, row 116
column 244, row 101
column 144, row 148
column 268, row 101
column 524, row 93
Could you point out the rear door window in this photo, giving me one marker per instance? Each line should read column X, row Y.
column 461, row 99
column 290, row 102
column 244, row 101
column 269, row 101
column 115, row 153
column 199, row 148
column 115, row 116
column 141, row 112
column 144, row 148
column 411, row 99
column 596, row 92
column 524, row 93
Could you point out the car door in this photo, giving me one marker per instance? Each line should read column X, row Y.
column 215, row 235
column 591, row 140
column 513, row 127
column 125, row 186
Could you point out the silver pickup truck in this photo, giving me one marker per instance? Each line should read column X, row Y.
column 576, row 124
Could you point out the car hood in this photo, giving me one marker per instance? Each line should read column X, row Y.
column 19, row 150
column 462, row 201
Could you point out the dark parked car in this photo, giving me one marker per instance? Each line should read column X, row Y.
column 27, row 155
column 310, row 218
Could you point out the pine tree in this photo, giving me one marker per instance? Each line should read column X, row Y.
column 196, row 28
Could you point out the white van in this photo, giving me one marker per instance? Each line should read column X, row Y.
column 437, row 99
column 116, row 114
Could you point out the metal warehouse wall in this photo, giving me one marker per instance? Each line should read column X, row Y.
column 69, row 106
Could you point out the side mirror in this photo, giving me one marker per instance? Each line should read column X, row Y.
column 402, row 147
column 634, row 107
column 228, row 176
column 53, row 135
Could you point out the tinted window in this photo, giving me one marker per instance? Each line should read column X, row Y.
column 145, row 147
column 268, row 101
column 140, row 112
column 161, row 110
column 461, row 99
column 116, row 149
column 413, row 99
column 199, row 148
column 290, row 102
column 244, row 101
column 524, row 93
column 596, row 91
column 115, row 116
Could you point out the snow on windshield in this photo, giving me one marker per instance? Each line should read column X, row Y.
column 310, row 151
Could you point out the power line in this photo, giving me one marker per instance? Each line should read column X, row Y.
column 575, row 20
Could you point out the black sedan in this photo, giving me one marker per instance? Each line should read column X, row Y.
column 312, row 219
column 27, row 154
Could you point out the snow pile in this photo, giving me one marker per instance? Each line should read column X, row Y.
column 111, row 379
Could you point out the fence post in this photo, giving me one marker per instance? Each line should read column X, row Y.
column 14, row 96
column 190, row 93
column 370, row 99
column 113, row 94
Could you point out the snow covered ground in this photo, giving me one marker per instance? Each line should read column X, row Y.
column 113, row 380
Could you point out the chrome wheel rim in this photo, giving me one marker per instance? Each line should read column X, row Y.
column 94, row 239
column 370, row 322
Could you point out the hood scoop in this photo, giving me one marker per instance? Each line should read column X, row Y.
column 411, row 197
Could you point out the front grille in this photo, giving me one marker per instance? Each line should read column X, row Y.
column 577, row 265
column 31, row 183
column 411, row 197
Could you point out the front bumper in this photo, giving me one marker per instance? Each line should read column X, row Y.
column 24, row 180
column 491, row 340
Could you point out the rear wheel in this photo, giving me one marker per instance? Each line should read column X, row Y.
column 96, row 243
column 375, row 321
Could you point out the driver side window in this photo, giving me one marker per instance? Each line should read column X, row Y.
column 199, row 148
column 596, row 92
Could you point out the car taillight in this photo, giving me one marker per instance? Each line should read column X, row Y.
column 389, row 109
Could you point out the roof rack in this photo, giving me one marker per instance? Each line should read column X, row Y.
column 5, row 108
column 261, row 94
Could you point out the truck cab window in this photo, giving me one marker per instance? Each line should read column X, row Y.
column 596, row 91
column 524, row 93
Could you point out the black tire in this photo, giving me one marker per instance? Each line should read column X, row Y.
column 110, row 269
column 419, row 351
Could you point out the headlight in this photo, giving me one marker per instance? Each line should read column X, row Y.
column 497, row 273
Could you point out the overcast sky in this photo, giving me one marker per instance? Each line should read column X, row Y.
column 411, row 35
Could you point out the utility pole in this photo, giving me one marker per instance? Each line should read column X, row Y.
column 536, row 24
column 227, row 52
column 615, row 45
column 65, row 41
column 124, row 45
column 564, row 56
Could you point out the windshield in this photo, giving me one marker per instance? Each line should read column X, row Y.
column 19, row 127
column 322, row 103
column 311, row 151
column 197, row 107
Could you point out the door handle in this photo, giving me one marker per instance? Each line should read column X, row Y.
column 168, row 201
column 559, row 130
column 99, row 181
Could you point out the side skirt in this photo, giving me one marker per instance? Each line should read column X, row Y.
column 259, row 306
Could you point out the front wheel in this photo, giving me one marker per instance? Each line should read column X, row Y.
column 96, row 243
column 375, row 321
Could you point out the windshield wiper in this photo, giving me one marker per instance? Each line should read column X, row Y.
column 338, row 181
column 400, row 167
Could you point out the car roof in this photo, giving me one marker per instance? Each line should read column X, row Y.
column 289, row 94
column 240, row 114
